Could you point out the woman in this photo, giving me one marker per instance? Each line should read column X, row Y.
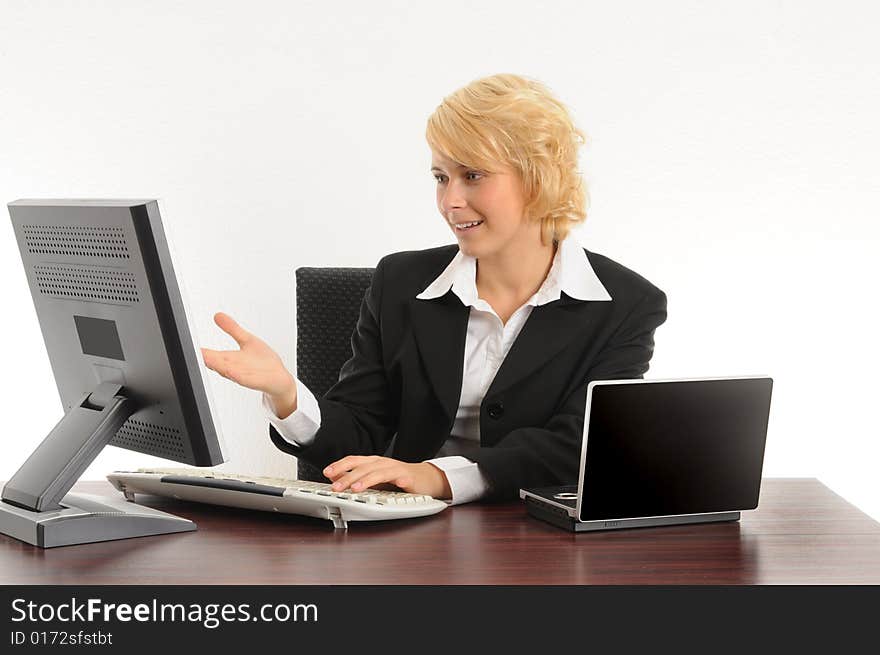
column 474, row 357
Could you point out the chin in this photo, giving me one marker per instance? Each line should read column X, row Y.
column 469, row 248
column 478, row 253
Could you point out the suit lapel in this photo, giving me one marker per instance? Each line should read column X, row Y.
column 440, row 328
column 549, row 329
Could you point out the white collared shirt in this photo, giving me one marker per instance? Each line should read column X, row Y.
column 487, row 344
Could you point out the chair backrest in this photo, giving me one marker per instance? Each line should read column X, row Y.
column 328, row 302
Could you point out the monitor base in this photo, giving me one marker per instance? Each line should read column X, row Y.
column 87, row 518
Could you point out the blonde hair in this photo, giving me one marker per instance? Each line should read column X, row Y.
column 518, row 122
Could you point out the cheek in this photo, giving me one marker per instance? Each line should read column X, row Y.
column 500, row 206
column 513, row 209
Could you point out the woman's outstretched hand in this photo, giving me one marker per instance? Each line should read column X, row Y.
column 254, row 365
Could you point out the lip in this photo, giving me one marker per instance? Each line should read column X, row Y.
column 457, row 231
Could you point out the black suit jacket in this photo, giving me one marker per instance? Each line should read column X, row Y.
column 405, row 374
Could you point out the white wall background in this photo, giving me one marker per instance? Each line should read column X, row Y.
column 732, row 160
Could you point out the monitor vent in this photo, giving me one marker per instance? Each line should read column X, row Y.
column 76, row 241
column 84, row 283
column 159, row 440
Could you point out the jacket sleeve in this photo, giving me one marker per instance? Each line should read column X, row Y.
column 550, row 455
column 356, row 414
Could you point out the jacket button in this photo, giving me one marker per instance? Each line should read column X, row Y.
column 496, row 409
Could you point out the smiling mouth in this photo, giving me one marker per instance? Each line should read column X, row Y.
column 463, row 227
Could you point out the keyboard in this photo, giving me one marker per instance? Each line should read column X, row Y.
column 301, row 497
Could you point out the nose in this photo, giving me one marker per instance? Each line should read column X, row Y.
column 452, row 198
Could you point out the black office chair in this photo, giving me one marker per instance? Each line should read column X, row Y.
column 328, row 302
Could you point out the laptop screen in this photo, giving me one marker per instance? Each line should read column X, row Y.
column 667, row 448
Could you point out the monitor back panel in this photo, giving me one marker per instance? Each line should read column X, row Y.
column 103, row 286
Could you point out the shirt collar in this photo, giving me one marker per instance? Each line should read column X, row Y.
column 570, row 272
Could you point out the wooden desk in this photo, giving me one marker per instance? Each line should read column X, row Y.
column 801, row 533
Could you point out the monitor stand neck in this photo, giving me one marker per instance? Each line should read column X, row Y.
column 56, row 464
column 36, row 506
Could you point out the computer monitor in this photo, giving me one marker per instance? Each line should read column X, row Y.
column 125, row 363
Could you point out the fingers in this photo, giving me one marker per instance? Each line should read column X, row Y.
column 339, row 467
column 216, row 361
column 364, row 477
column 396, row 475
column 359, row 473
column 226, row 323
column 211, row 357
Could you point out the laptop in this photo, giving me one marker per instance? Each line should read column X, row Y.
column 663, row 452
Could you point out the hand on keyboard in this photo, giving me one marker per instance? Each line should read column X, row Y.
column 363, row 472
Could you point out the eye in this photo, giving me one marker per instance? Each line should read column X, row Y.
column 477, row 175
column 439, row 177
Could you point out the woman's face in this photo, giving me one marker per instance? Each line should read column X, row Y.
column 493, row 200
